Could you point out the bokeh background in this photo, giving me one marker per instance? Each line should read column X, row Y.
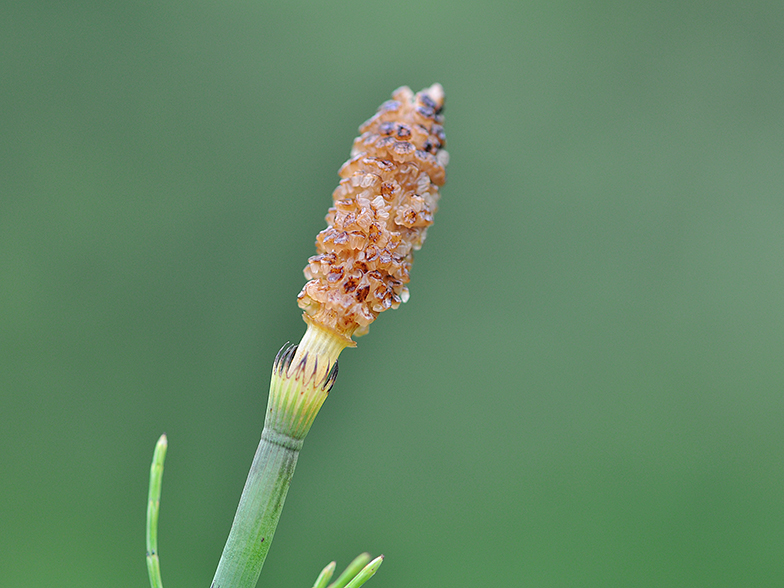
column 586, row 387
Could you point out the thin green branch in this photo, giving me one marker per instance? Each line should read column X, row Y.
column 366, row 573
column 357, row 573
column 351, row 571
column 153, row 508
column 325, row 575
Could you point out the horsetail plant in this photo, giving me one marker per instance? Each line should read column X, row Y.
column 381, row 210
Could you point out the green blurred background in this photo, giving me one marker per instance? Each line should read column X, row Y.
column 586, row 387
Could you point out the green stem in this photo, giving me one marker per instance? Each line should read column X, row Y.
column 258, row 512
column 302, row 377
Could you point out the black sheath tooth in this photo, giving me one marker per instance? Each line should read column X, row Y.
column 283, row 359
column 299, row 369
column 332, row 375
column 315, row 370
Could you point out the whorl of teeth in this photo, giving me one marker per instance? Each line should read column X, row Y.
column 284, row 367
column 385, row 201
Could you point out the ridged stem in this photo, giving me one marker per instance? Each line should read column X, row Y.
column 302, row 377
column 258, row 512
